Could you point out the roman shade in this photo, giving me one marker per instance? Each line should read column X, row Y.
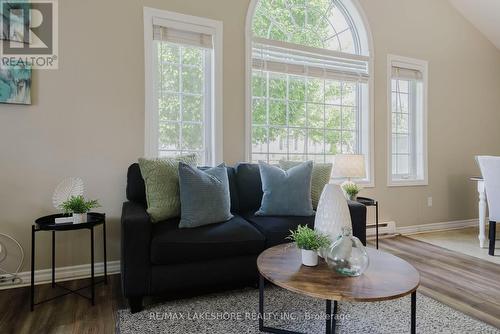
column 163, row 31
column 399, row 71
column 288, row 58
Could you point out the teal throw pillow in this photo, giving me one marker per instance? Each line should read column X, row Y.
column 286, row 193
column 321, row 175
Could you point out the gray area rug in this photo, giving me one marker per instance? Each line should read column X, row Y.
column 237, row 312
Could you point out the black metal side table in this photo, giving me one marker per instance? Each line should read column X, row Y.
column 371, row 202
column 47, row 223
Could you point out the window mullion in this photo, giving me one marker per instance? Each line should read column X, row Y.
column 181, row 100
column 412, row 107
column 342, row 117
column 306, row 110
column 267, row 116
column 359, row 138
column 287, row 111
column 160, row 47
column 207, row 127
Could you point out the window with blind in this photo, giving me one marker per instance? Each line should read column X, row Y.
column 181, row 85
column 310, row 76
column 407, row 127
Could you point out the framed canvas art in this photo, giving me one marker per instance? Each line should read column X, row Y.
column 15, row 85
column 15, row 82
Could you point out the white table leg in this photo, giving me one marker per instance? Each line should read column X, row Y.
column 482, row 213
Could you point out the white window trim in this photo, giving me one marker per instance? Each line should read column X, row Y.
column 197, row 24
column 423, row 67
column 354, row 7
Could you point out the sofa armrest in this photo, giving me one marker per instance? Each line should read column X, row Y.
column 358, row 218
column 135, row 249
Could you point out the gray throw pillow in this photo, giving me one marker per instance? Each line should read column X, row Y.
column 320, row 177
column 204, row 196
column 286, row 193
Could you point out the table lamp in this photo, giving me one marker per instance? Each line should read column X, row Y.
column 349, row 166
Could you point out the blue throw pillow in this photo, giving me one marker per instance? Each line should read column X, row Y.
column 204, row 196
column 286, row 193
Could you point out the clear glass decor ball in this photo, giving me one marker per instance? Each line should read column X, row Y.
column 347, row 255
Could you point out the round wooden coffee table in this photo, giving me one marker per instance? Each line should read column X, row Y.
column 387, row 277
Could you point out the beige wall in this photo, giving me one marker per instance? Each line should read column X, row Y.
column 87, row 118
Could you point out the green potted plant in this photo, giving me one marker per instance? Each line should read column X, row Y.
column 351, row 190
column 78, row 206
column 309, row 241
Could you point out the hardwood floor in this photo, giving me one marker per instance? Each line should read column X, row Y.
column 69, row 314
column 463, row 282
column 460, row 281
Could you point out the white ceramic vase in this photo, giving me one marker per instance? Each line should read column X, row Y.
column 309, row 258
column 78, row 218
column 332, row 213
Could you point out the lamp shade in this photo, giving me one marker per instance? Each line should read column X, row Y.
column 349, row 166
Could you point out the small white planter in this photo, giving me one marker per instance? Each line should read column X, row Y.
column 79, row 218
column 309, row 258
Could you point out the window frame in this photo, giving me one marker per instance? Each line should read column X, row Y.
column 421, row 66
column 213, row 135
column 366, row 128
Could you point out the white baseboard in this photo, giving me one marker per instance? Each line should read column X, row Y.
column 43, row 276
column 383, row 228
column 451, row 225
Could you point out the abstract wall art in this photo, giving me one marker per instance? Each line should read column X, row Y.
column 15, row 85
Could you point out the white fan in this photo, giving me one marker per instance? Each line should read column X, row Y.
column 11, row 259
column 70, row 186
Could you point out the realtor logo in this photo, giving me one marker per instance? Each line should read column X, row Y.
column 29, row 34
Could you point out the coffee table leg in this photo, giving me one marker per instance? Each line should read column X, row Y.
column 261, row 302
column 263, row 328
column 334, row 316
column 328, row 316
column 413, row 312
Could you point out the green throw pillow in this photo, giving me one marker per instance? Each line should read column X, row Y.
column 161, row 177
column 320, row 177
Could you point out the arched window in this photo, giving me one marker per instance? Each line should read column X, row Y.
column 310, row 78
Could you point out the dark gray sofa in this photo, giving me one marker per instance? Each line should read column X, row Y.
column 160, row 259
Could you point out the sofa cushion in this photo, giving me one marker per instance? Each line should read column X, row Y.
column 249, row 186
column 276, row 229
column 236, row 237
